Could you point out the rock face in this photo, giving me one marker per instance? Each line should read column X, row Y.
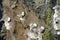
column 39, row 6
column 56, row 23
column 23, row 13
column 56, row 19
column 19, row 27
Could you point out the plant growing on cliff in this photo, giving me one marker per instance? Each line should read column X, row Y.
column 48, row 24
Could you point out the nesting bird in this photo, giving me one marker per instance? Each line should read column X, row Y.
column 21, row 15
column 7, row 24
column 33, row 26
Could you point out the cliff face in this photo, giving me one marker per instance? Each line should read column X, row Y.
column 18, row 30
column 35, row 11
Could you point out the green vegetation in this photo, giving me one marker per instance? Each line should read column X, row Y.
column 48, row 24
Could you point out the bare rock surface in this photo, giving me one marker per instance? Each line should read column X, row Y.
column 11, row 8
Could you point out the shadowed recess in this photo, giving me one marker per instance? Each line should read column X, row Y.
column 1, row 14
